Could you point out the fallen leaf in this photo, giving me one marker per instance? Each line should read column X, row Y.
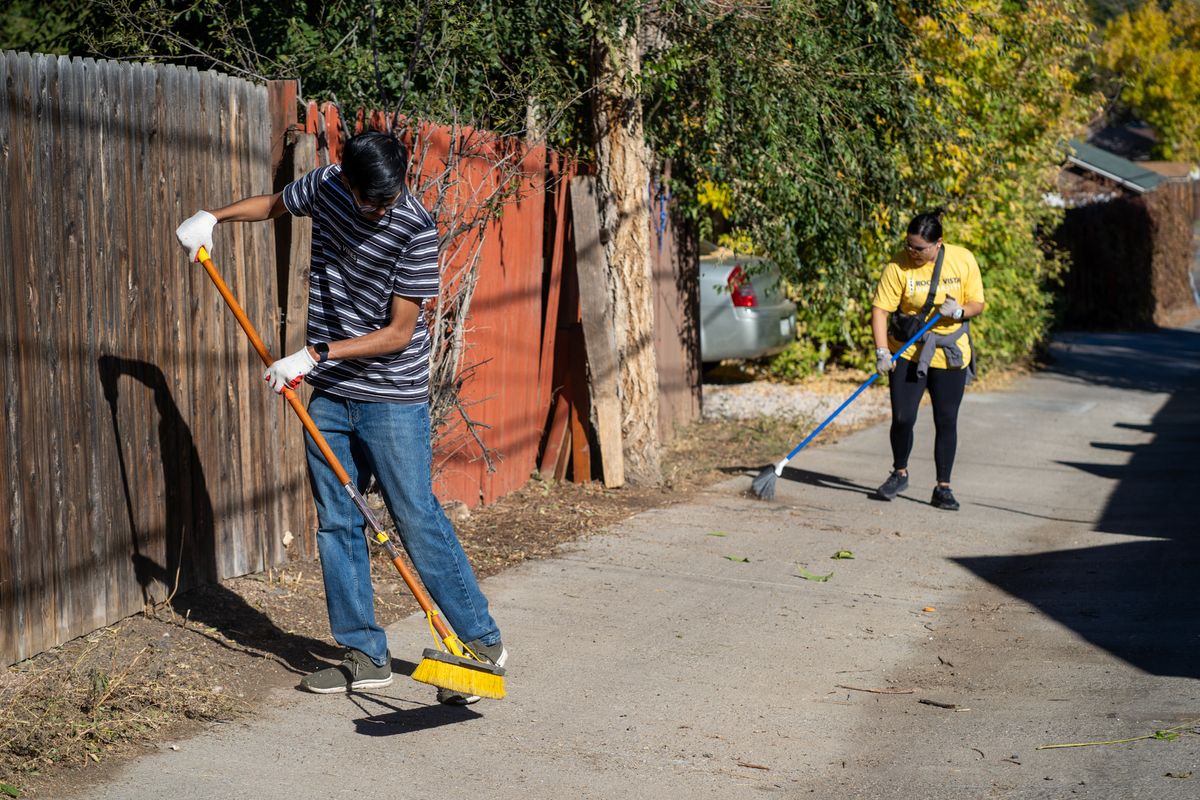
column 929, row 609
column 1181, row 775
column 808, row 576
column 11, row 791
column 717, row 533
column 739, row 559
column 842, row 554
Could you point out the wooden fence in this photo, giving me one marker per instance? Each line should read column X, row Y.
column 137, row 440
column 141, row 450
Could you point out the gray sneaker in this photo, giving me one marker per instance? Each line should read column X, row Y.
column 356, row 672
column 944, row 498
column 896, row 483
column 491, row 653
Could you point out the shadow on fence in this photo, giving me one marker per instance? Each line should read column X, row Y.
column 187, row 574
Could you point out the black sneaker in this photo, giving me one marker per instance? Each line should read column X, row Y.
column 492, row 654
column 356, row 672
column 944, row 498
column 896, row 483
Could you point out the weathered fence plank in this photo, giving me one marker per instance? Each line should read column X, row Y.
column 11, row 596
column 676, row 315
column 90, row 266
column 32, row 573
column 598, row 335
column 304, row 158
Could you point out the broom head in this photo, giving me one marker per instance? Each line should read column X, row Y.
column 764, row 485
column 459, row 674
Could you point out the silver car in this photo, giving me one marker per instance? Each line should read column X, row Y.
column 741, row 315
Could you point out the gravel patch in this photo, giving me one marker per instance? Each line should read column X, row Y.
column 763, row 399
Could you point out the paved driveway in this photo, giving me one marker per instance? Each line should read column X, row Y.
column 648, row 663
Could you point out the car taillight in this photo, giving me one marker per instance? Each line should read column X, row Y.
column 741, row 290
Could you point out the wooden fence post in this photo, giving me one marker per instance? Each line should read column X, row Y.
column 598, row 335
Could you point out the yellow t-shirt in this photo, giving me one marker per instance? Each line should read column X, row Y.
column 904, row 287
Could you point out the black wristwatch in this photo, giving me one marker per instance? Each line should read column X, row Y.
column 322, row 349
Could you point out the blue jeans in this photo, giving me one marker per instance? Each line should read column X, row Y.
column 392, row 442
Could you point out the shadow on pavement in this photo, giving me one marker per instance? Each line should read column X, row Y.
column 398, row 720
column 807, row 477
column 1136, row 600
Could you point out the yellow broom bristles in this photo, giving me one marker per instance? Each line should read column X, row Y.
column 458, row 678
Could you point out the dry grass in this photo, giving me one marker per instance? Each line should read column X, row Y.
column 78, row 703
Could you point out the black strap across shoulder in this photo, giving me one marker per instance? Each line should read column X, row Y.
column 933, row 284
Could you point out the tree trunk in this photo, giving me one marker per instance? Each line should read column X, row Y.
column 623, row 178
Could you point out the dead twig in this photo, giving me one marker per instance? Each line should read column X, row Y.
column 935, row 703
column 885, row 690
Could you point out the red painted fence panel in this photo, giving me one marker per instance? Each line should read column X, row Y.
column 510, row 329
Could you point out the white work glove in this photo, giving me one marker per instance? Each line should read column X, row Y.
column 195, row 232
column 951, row 309
column 883, row 361
column 288, row 372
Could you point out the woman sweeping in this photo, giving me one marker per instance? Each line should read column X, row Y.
column 926, row 274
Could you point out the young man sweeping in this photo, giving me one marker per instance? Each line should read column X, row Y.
column 374, row 263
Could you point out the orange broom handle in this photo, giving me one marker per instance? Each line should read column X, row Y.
column 409, row 579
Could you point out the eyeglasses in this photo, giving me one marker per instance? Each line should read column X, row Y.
column 370, row 208
column 912, row 248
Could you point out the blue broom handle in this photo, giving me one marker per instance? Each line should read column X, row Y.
column 929, row 324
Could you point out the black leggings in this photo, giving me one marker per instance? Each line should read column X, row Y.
column 946, row 392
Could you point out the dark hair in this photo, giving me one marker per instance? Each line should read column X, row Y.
column 375, row 164
column 928, row 225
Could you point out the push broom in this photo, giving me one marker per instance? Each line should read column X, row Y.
column 458, row 670
column 764, row 485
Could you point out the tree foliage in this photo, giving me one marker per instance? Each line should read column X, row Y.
column 819, row 127
column 45, row 27
column 499, row 64
column 791, row 114
column 998, row 99
column 1153, row 53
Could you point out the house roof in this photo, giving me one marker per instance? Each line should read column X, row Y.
column 1120, row 170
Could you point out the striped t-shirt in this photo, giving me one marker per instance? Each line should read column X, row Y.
column 357, row 266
